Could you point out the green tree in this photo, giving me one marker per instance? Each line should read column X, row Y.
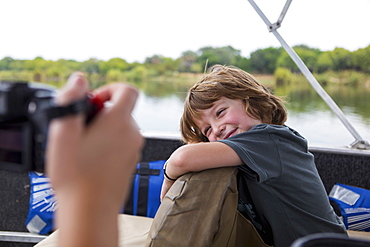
column 308, row 55
column 114, row 63
column 153, row 60
column 36, row 64
column 69, row 65
column 138, row 74
column 162, row 65
column 17, row 65
column 342, row 59
column 91, row 66
column 186, row 61
column 54, row 74
column 5, row 63
column 221, row 55
column 324, row 62
column 114, row 75
column 243, row 63
column 264, row 60
column 283, row 76
column 361, row 59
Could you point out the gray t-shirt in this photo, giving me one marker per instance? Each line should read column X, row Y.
column 283, row 182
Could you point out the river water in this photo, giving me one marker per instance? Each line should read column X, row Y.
column 159, row 110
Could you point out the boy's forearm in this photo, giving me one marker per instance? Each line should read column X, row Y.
column 200, row 156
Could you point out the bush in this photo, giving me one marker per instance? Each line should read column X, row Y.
column 137, row 74
column 354, row 78
column 114, row 75
column 283, row 76
column 323, row 79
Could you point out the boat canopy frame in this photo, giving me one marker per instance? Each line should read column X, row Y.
column 359, row 142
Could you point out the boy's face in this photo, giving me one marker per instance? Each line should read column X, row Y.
column 224, row 119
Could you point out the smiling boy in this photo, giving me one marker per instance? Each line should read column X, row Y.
column 230, row 119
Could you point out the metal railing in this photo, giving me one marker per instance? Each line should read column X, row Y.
column 359, row 142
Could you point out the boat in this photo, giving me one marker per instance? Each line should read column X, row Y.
column 335, row 165
column 346, row 165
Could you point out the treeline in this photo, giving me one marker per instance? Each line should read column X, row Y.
column 261, row 61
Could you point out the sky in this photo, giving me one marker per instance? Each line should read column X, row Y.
column 137, row 29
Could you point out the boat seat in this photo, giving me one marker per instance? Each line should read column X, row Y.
column 330, row 240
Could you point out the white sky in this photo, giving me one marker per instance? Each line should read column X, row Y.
column 136, row 29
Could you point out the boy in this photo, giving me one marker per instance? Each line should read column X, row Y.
column 230, row 119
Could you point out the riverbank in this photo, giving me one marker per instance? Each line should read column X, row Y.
column 348, row 78
column 281, row 76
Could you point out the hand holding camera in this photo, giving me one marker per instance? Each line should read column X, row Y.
column 90, row 165
column 25, row 112
column 89, row 151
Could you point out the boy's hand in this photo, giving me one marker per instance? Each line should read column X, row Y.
column 166, row 187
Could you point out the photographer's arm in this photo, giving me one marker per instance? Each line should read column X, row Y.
column 90, row 166
column 198, row 157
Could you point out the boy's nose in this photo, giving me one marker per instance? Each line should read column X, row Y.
column 220, row 131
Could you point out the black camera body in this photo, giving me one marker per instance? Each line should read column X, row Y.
column 25, row 112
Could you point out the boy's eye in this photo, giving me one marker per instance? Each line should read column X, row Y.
column 220, row 111
column 206, row 131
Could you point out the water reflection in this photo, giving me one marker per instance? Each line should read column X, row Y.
column 160, row 107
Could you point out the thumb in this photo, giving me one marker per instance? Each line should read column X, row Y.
column 75, row 89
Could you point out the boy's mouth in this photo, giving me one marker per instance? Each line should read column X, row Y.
column 231, row 133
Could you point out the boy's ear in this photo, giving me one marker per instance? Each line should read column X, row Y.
column 245, row 104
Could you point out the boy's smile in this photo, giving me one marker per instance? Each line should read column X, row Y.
column 226, row 118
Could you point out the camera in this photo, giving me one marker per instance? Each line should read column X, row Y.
column 25, row 113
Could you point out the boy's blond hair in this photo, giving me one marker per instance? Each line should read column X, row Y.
column 232, row 83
